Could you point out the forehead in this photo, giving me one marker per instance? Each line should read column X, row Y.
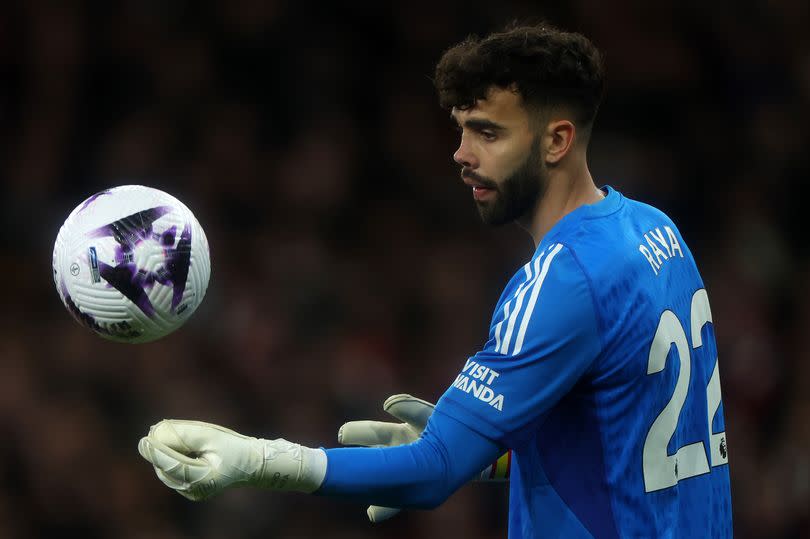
column 501, row 106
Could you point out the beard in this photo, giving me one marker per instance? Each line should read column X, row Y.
column 517, row 194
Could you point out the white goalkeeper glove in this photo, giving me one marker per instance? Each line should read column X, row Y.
column 200, row 460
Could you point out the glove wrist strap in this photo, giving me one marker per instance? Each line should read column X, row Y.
column 290, row 467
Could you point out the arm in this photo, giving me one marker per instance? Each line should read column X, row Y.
column 200, row 460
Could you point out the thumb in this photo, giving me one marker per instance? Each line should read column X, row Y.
column 368, row 433
column 162, row 456
column 409, row 409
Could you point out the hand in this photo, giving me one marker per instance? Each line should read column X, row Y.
column 412, row 411
column 200, row 460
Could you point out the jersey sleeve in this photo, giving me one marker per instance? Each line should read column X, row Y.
column 421, row 474
column 544, row 337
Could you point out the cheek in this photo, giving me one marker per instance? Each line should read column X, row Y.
column 504, row 160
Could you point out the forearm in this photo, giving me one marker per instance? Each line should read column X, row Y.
column 422, row 474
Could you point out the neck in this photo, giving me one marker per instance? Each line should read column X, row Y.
column 567, row 190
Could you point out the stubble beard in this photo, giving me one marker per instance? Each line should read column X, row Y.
column 518, row 194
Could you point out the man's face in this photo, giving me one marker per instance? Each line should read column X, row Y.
column 500, row 157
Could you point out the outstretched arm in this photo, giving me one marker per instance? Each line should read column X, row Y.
column 200, row 460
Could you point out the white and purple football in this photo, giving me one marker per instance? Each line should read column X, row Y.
column 131, row 263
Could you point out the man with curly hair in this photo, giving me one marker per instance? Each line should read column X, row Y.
column 599, row 372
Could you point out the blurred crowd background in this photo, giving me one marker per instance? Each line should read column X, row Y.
column 349, row 262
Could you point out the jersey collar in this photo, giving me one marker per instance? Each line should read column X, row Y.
column 612, row 202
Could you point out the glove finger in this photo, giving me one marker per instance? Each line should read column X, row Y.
column 196, row 491
column 171, row 472
column 190, row 487
column 367, row 433
column 170, row 481
column 409, row 409
column 180, row 467
column 158, row 458
column 144, row 449
column 182, row 477
column 377, row 513
column 188, row 495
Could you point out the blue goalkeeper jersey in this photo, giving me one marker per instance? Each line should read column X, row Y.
column 600, row 373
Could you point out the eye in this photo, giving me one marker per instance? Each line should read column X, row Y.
column 488, row 135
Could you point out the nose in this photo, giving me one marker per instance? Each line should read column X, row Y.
column 464, row 157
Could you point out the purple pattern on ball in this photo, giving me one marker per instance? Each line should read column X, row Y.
column 167, row 238
column 179, row 260
column 93, row 198
column 128, row 280
column 132, row 282
column 132, row 228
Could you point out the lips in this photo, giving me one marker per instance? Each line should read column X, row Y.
column 480, row 190
column 480, row 193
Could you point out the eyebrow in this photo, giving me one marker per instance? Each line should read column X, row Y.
column 478, row 124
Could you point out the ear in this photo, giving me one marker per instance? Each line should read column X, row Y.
column 558, row 140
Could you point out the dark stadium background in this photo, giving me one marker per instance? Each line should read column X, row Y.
column 348, row 259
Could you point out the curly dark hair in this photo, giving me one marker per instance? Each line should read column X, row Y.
column 547, row 66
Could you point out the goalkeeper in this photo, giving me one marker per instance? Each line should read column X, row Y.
column 612, row 412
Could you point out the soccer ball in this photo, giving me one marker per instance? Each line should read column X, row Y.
column 131, row 263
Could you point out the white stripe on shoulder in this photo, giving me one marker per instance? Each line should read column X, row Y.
column 520, row 294
column 527, row 268
column 533, row 299
column 498, row 327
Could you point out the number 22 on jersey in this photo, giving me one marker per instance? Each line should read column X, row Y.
column 662, row 470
